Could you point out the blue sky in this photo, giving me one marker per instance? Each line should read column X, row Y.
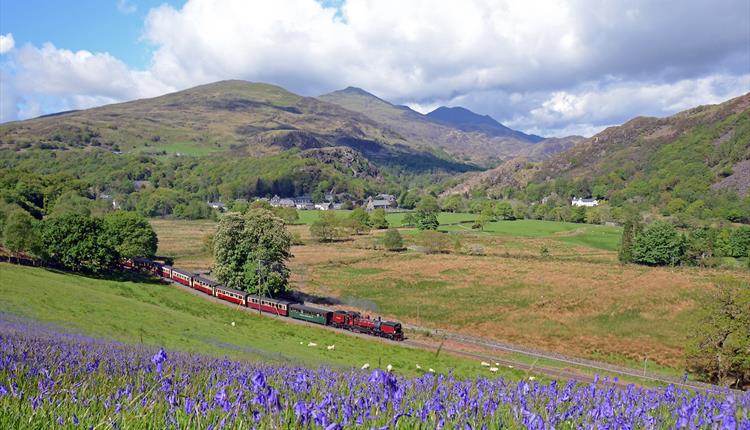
column 93, row 25
column 551, row 67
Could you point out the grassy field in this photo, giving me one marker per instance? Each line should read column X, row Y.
column 154, row 313
column 587, row 235
column 579, row 300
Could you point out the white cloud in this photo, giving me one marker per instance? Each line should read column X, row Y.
column 6, row 43
column 126, row 6
column 545, row 66
column 51, row 79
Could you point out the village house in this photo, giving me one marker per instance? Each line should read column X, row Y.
column 303, row 202
column 584, row 202
column 278, row 202
column 372, row 204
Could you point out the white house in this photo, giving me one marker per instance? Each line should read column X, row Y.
column 219, row 206
column 584, row 202
column 324, row 206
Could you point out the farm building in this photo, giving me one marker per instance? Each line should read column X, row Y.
column 584, row 202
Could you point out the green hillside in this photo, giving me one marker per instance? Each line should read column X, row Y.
column 153, row 313
column 236, row 118
column 692, row 165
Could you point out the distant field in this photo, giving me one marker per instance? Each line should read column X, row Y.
column 594, row 236
column 579, row 300
column 162, row 315
column 587, row 235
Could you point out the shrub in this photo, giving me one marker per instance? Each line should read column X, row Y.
column 392, row 240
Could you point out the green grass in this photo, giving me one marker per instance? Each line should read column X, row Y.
column 588, row 235
column 157, row 314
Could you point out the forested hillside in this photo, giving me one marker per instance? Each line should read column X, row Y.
column 692, row 165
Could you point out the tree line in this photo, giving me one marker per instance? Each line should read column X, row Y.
column 662, row 244
column 78, row 242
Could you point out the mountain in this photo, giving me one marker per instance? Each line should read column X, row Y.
column 240, row 118
column 699, row 157
column 473, row 146
column 466, row 120
column 550, row 146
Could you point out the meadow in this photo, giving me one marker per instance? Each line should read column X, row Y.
column 576, row 299
column 48, row 378
column 139, row 311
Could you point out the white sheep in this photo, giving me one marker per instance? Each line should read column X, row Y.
column 312, row 344
column 389, row 367
column 331, row 347
column 493, row 369
column 365, row 366
column 485, row 364
column 419, row 367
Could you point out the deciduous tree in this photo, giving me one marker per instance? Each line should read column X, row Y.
column 20, row 233
column 658, row 244
column 78, row 242
column 131, row 234
column 378, row 220
column 392, row 240
column 719, row 351
column 251, row 252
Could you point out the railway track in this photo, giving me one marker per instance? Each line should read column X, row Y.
column 581, row 370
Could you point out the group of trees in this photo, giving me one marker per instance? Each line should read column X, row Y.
column 77, row 241
column 661, row 243
column 329, row 227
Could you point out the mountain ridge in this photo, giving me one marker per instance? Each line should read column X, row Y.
column 466, row 120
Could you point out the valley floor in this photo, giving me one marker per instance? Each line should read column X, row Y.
column 577, row 300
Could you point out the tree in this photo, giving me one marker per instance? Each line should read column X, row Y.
column 131, row 234
column 392, row 240
column 410, row 219
column 327, row 227
column 487, row 215
column 454, row 203
column 719, row 351
column 20, row 233
column 361, row 215
column 251, row 252
column 78, row 242
column 378, row 220
column 504, row 211
column 658, row 244
column 629, row 232
column 72, row 202
column 426, row 213
column 578, row 214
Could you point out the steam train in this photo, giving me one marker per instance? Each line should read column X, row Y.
column 345, row 320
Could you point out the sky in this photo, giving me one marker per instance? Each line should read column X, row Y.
column 549, row 67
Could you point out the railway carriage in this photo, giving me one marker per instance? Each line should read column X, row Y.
column 230, row 294
column 205, row 285
column 272, row 306
column 310, row 314
column 347, row 320
column 182, row 276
